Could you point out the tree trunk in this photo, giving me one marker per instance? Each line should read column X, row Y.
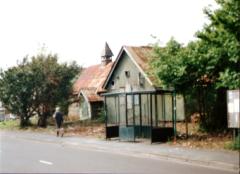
column 43, row 115
column 42, row 121
column 24, row 121
column 219, row 112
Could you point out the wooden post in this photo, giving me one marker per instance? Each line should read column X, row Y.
column 163, row 110
column 105, row 113
column 151, row 115
column 185, row 115
column 133, row 112
column 174, row 115
column 156, row 111
column 119, row 120
column 140, row 112
column 126, row 112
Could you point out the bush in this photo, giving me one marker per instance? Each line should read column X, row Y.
column 235, row 144
column 101, row 117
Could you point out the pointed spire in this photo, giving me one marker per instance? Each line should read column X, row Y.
column 106, row 54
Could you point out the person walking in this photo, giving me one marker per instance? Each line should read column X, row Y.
column 59, row 121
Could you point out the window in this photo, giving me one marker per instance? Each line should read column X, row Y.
column 112, row 83
column 127, row 74
column 141, row 79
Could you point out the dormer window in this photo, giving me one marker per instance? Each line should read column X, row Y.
column 127, row 74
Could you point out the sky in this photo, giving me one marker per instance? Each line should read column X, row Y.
column 77, row 30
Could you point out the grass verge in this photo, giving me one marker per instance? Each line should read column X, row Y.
column 234, row 144
column 9, row 124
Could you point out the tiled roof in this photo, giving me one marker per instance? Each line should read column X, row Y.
column 142, row 56
column 91, row 81
column 91, row 95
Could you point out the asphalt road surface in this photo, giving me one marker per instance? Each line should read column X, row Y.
column 32, row 156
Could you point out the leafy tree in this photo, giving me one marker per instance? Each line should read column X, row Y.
column 168, row 65
column 222, row 36
column 36, row 87
column 54, row 84
column 16, row 92
column 204, row 69
column 183, row 68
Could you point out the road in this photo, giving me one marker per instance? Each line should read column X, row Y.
column 21, row 155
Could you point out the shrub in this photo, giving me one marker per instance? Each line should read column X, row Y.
column 234, row 145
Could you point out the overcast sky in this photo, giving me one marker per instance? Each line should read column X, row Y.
column 77, row 29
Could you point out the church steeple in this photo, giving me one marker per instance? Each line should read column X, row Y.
column 106, row 55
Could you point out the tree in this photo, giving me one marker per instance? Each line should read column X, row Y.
column 204, row 69
column 222, row 36
column 54, row 84
column 183, row 68
column 168, row 65
column 36, row 87
column 16, row 92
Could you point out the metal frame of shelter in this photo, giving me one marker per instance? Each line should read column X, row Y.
column 140, row 114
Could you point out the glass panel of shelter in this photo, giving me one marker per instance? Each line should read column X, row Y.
column 122, row 109
column 161, row 109
column 141, row 110
column 112, row 110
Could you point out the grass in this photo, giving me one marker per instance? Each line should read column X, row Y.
column 234, row 144
column 15, row 126
column 9, row 124
column 203, row 140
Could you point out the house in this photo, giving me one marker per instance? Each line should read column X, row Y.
column 136, row 105
column 129, row 72
column 88, row 87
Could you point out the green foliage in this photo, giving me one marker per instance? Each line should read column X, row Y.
column 9, row 124
column 166, row 64
column 17, row 91
column 101, row 116
column 234, row 145
column 54, row 84
column 36, row 87
column 205, row 68
column 177, row 66
column 222, row 36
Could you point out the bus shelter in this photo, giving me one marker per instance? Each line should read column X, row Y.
column 140, row 114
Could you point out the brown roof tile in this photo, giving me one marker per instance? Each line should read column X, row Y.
column 91, row 80
column 142, row 55
column 91, row 95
